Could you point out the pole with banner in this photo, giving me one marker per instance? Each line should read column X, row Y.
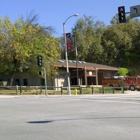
column 69, row 42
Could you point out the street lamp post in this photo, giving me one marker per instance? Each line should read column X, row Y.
column 66, row 55
column 77, row 66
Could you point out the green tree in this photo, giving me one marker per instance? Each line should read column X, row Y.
column 122, row 72
column 116, row 42
column 20, row 44
column 115, row 20
column 121, row 45
column 115, row 45
column 88, row 39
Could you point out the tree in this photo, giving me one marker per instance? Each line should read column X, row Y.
column 20, row 45
column 115, row 45
column 121, row 45
column 122, row 72
column 116, row 42
column 115, row 20
column 88, row 39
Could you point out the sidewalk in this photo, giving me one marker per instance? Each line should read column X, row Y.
column 131, row 92
column 9, row 96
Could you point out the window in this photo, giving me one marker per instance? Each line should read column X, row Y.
column 25, row 82
column 17, row 81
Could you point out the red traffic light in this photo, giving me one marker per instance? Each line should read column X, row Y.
column 121, row 14
column 39, row 58
column 120, row 9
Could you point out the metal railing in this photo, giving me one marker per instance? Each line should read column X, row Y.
column 51, row 90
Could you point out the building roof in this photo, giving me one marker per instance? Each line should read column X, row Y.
column 83, row 64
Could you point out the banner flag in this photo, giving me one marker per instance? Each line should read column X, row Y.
column 69, row 42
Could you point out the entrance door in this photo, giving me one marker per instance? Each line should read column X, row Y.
column 91, row 80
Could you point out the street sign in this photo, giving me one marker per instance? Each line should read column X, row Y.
column 135, row 11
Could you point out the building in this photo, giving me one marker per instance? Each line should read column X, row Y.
column 81, row 72
column 88, row 73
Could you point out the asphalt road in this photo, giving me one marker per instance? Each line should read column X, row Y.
column 90, row 117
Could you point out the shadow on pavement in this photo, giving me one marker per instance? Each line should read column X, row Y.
column 35, row 122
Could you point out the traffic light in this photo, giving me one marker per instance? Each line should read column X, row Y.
column 121, row 14
column 39, row 60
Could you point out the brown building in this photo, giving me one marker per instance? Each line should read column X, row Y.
column 81, row 73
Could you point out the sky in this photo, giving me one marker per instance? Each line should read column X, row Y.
column 55, row 12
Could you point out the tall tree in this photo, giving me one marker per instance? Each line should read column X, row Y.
column 115, row 20
column 116, row 44
column 20, row 44
column 88, row 37
column 121, row 44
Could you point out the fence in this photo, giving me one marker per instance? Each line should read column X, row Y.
column 27, row 90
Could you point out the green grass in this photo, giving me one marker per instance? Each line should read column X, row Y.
column 84, row 90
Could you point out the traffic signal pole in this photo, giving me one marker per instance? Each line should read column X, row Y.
column 40, row 64
column 46, row 93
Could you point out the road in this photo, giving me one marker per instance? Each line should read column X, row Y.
column 84, row 117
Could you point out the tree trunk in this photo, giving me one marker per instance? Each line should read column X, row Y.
column 12, row 78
